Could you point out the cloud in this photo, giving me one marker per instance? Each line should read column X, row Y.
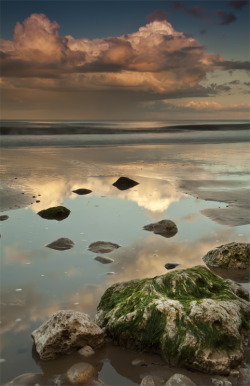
column 158, row 14
column 203, row 31
column 238, row 4
column 208, row 106
column 225, row 17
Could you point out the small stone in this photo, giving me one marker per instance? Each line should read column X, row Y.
column 165, row 228
column 81, row 373
column 103, row 247
column 171, row 265
column 104, row 260
column 147, row 381
column 58, row 213
column 234, row 373
column 27, row 379
column 2, row 360
column 4, row 217
column 139, row 362
column 179, row 379
column 124, row 183
column 110, row 273
column 82, row 192
column 37, row 201
column 61, row 244
column 86, row 351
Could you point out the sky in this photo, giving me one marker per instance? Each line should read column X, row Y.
column 125, row 60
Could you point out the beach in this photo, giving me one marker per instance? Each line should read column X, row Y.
column 200, row 182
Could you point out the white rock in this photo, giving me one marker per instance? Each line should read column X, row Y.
column 65, row 332
column 86, row 351
column 179, row 379
column 147, row 381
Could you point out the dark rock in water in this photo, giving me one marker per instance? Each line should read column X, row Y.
column 58, row 213
column 230, row 256
column 192, row 317
column 65, row 332
column 61, row 244
column 171, row 265
column 104, row 260
column 124, row 183
column 81, row 192
column 103, row 247
column 4, row 217
column 165, row 228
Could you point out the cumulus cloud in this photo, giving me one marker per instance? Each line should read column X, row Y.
column 208, row 106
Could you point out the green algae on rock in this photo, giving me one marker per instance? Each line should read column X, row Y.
column 55, row 213
column 192, row 317
column 232, row 255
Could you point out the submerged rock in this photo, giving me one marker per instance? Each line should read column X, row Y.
column 4, row 217
column 55, row 213
column 103, row 247
column 232, row 255
column 61, row 244
column 27, row 379
column 81, row 192
column 147, row 381
column 165, row 228
column 65, row 332
column 81, row 373
column 124, row 183
column 191, row 317
column 179, row 380
column 104, row 260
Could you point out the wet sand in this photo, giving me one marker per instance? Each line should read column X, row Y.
column 166, row 175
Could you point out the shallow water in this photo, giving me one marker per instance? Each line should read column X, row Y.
column 38, row 281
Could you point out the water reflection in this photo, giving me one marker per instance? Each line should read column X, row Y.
column 49, row 280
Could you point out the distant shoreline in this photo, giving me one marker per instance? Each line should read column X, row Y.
column 58, row 128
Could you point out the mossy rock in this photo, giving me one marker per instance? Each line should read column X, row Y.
column 55, row 213
column 232, row 255
column 192, row 317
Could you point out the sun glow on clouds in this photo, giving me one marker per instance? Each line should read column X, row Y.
column 154, row 61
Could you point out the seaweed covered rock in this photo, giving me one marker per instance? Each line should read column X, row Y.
column 65, row 332
column 232, row 255
column 55, row 213
column 192, row 317
column 165, row 228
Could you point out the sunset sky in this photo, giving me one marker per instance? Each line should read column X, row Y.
column 125, row 60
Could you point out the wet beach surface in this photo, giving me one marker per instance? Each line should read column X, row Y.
column 203, row 188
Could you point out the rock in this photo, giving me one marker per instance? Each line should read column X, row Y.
column 4, row 217
column 171, row 265
column 103, row 247
column 179, row 380
column 147, row 381
column 86, row 351
column 139, row 362
column 27, row 379
column 245, row 376
column 81, row 373
column 232, row 255
column 221, row 382
column 104, row 260
column 65, row 332
column 81, row 192
column 192, row 317
column 165, row 228
column 61, row 244
column 124, row 183
column 58, row 213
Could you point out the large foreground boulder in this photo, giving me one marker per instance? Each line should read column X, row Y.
column 192, row 317
column 65, row 332
column 232, row 255
column 58, row 213
column 165, row 228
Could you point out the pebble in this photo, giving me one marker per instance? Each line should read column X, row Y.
column 86, row 351
column 81, row 373
column 2, row 360
column 19, row 289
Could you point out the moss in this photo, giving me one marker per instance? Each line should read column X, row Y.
column 55, row 213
